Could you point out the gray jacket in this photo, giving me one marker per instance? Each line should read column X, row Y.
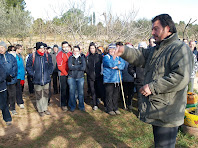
column 168, row 67
column 55, row 67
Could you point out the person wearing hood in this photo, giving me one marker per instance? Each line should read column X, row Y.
column 62, row 62
column 40, row 67
column 94, row 75
column 6, row 75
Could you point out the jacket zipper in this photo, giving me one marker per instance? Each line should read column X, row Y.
column 42, row 70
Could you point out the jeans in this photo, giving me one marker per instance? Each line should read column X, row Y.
column 64, row 91
column 4, row 107
column 165, row 137
column 112, row 96
column 73, row 84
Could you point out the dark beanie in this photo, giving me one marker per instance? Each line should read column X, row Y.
column 39, row 45
column 55, row 46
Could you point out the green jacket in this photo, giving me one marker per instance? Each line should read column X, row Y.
column 168, row 67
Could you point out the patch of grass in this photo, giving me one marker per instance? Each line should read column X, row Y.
column 84, row 129
column 186, row 141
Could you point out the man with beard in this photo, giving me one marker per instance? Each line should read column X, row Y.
column 167, row 70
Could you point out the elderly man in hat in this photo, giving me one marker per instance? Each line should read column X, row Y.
column 39, row 65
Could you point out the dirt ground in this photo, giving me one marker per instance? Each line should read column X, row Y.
column 28, row 126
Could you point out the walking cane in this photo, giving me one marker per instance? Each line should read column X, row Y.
column 122, row 90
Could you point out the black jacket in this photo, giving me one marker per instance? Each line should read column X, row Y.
column 76, row 67
column 93, row 66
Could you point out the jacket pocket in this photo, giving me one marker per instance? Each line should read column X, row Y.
column 38, row 94
column 157, row 107
column 46, row 93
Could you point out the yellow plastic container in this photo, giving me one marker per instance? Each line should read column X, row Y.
column 190, row 119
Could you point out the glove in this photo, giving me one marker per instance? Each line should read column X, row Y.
column 22, row 82
column 9, row 78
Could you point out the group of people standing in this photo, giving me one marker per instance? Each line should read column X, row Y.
column 167, row 67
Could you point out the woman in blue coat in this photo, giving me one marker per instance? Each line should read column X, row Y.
column 111, row 77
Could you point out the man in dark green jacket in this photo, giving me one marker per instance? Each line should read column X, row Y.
column 168, row 67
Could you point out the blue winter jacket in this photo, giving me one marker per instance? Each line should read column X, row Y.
column 112, row 75
column 41, row 69
column 9, row 63
column 21, row 67
column 2, row 77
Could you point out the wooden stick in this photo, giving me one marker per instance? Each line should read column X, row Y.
column 122, row 90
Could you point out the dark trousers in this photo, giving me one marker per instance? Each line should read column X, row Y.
column 55, row 82
column 30, row 84
column 165, row 137
column 112, row 96
column 50, row 92
column 139, row 96
column 128, row 88
column 97, row 90
column 4, row 107
column 11, row 90
column 64, row 91
column 19, row 98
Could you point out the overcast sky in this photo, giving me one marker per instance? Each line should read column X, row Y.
column 180, row 10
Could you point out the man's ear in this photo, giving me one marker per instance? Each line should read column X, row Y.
column 167, row 28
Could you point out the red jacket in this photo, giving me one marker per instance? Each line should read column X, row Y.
column 62, row 62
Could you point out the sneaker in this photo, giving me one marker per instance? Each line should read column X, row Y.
column 47, row 112
column 9, row 123
column 112, row 113
column 41, row 114
column 13, row 112
column 117, row 112
column 21, row 106
column 64, row 108
column 95, row 108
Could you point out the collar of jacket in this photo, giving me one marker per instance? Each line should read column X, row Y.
column 64, row 51
column 76, row 57
column 167, row 40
